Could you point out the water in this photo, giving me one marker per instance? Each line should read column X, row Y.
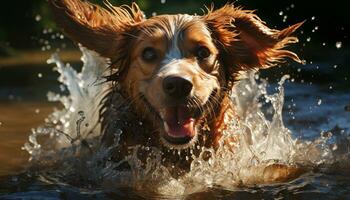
column 282, row 123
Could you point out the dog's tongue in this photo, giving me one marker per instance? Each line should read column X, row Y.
column 178, row 122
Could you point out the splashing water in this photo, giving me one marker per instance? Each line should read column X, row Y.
column 69, row 141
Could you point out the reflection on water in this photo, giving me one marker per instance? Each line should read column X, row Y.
column 17, row 119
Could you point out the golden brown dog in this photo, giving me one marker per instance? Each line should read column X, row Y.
column 177, row 70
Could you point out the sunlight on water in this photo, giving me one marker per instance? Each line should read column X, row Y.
column 69, row 141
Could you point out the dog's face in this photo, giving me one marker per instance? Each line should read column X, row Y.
column 175, row 68
column 174, row 75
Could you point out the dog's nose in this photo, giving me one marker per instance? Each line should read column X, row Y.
column 178, row 87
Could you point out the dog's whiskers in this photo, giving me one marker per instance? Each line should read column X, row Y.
column 198, row 104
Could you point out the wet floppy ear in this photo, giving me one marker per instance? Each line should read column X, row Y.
column 94, row 27
column 246, row 40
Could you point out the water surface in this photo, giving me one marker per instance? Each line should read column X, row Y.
column 301, row 123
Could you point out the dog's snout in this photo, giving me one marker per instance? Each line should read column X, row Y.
column 177, row 87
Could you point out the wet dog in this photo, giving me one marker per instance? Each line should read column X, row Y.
column 175, row 71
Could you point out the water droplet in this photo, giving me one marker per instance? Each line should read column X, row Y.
column 118, row 131
column 40, row 75
column 280, row 13
column 338, row 45
column 308, row 39
column 292, row 6
column 319, row 102
column 335, row 147
column 37, row 18
column 335, row 66
column 62, row 88
column 324, row 44
column 37, row 111
column 162, row 1
column 313, row 18
column 154, row 14
column 285, row 18
column 299, row 70
column 330, row 87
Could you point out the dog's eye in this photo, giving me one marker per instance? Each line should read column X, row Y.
column 149, row 54
column 202, row 52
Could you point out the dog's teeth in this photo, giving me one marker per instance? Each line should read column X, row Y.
column 162, row 114
column 166, row 127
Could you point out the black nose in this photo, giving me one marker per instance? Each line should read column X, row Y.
column 177, row 87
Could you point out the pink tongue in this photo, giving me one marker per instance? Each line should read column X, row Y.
column 178, row 122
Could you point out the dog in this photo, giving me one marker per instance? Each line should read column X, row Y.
column 175, row 71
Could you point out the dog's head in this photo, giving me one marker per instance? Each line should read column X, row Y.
column 175, row 68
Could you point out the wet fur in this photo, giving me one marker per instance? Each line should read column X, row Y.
column 242, row 42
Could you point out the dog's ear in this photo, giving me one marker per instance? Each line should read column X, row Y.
column 245, row 39
column 94, row 27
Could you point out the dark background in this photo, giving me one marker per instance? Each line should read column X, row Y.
column 19, row 28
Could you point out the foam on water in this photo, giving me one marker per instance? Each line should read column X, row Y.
column 69, row 140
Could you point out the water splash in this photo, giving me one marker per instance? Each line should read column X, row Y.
column 62, row 126
column 70, row 139
column 338, row 45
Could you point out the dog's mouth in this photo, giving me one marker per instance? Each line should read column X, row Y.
column 179, row 124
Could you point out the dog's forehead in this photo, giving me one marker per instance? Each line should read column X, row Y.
column 175, row 30
column 173, row 27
